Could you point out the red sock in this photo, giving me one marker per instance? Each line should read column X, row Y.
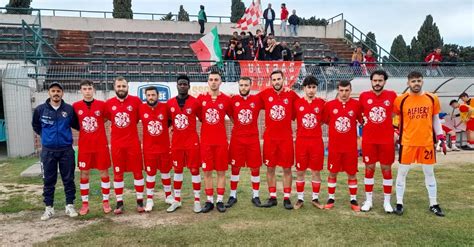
column 166, row 181
column 220, row 194
column 316, row 186
column 332, row 187
column 369, row 180
column 177, row 183
column 273, row 192
column 150, row 184
column 255, row 173
column 196, row 178
column 300, row 186
column 234, row 179
column 287, row 193
column 210, row 195
column 118, row 186
column 387, row 181
column 105, row 186
column 352, row 184
column 139, row 184
column 84, row 190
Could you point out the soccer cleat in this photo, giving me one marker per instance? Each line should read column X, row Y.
column 207, row 207
column 169, row 199
column 149, row 205
column 329, row 204
column 455, row 148
column 256, row 202
column 119, row 208
column 175, row 205
column 355, row 206
column 106, row 207
column 220, row 207
column 270, row 203
column 437, row 210
column 70, row 211
column 316, row 203
column 140, row 207
column 197, row 207
column 48, row 213
column 366, row 206
column 287, row 204
column 84, row 209
column 387, row 207
column 299, row 204
column 232, row 200
column 398, row 209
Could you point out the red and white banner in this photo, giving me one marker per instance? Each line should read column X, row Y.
column 251, row 17
column 260, row 72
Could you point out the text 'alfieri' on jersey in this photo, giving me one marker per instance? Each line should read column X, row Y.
column 154, row 119
column 377, row 111
column 213, row 112
column 416, row 118
column 278, row 113
column 123, row 115
column 183, row 120
column 92, row 117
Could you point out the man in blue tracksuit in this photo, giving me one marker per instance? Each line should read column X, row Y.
column 53, row 121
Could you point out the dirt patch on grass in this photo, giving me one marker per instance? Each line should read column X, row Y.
column 30, row 191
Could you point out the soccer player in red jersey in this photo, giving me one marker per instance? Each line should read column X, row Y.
column 309, row 150
column 244, row 147
column 93, row 147
column 122, row 111
column 341, row 115
column 214, row 146
column 377, row 137
column 184, row 110
column 278, row 136
column 156, row 145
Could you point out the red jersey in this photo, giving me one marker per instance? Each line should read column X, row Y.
column 341, row 119
column 278, row 113
column 184, row 123
column 91, row 118
column 213, row 113
column 308, row 117
column 156, row 138
column 245, row 111
column 124, row 117
column 371, row 61
column 377, row 112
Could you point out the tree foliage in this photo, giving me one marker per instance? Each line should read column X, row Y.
column 312, row 21
column 237, row 10
column 167, row 17
column 399, row 49
column 182, row 14
column 123, row 9
column 24, row 4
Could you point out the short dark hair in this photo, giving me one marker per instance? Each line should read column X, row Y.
column 246, row 78
column 379, row 72
column 151, row 88
column 277, row 72
column 283, row 4
column 215, row 72
column 310, row 80
column 86, row 83
column 344, row 83
column 414, row 74
column 453, row 101
column 120, row 78
column 183, row 77
column 464, row 94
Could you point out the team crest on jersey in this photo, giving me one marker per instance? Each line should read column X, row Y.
column 172, row 109
column 252, row 105
column 277, row 112
column 64, row 114
column 161, row 117
column 309, row 121
column 351, row 113
column 122, row 119
column 377, row 114
column 204, row 165
column 145, row 115
column 370, row 101
column 342, row 124
column 285, row 101
column 212, row 116
column 245, row 116
column 114, row 108
column 204, row 103
column 316, row 110
column 80, row 112
column 97, row 113
column 270, row 99
column 221, row 106
column 301, row 108
column 155, row 128
column 130, row 108
column 335, row 111
column 181, row 121
column 387, row 102
column 189, row 111
column 89, row 124
column 237, row 104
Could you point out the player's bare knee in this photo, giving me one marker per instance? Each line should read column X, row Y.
column 332, row 175
column 85, row 174
column 104, row 173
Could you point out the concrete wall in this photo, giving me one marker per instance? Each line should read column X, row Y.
column 335, row 30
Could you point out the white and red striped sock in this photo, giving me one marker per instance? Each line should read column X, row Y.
column 196, row 179
column 316, row 185
column 150, row 185
column 84, row 186
column 369, row 183
column 286, row 193
column 139, row 183
column 105, row 187
column 300, row 189
column 234, row 181
column 177, row 182
column 387, row 185
column 220, row 194
column 255, row 178
column 352, row 184
column 118, row 187
column 166, row 181
column 332, row 187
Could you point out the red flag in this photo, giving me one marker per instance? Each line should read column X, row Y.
column 251, row 17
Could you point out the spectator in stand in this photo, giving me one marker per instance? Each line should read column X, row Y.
column 202, row 18
column 370, row 61
column 260, row 45
column 294, row 22
column 235, row 38
column 269, row 15
column 452, row 58
column 250, row 50
column 244, row 38
column 326, row 62
column 273, row 50
column 285, row 52
column 231, row 52
column 230, row 56
column 433, row 59
column 297, row 52
column 240, row 51
column 284, row 18
column 357, row 59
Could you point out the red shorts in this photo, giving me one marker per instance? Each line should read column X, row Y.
column 245, row 152
column 446, row 128
column 309, row 153
column 373, row 153
column 95, row 160
column 189, row 158
column 470, row 124
column 127, row 159
column 343, row 162
column 278, row 152
column 214, row 157
column 157, row 161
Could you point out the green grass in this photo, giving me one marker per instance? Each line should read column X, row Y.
column 246, row 225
